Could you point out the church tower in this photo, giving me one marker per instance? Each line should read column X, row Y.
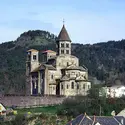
column 32, row 59
column 32, row 63
column 63, row 42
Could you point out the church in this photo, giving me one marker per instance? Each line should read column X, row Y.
column 59, row 72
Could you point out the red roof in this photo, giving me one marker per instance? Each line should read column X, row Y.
column 48, row 51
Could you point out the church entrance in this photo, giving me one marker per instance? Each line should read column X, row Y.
column 58, row 87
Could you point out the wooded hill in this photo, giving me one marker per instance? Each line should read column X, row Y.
column 105, row 61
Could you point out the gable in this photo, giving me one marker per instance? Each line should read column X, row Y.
column 2, row 108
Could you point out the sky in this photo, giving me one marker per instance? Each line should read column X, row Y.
column 87, row 21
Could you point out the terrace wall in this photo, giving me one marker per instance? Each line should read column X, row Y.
column 30, row 101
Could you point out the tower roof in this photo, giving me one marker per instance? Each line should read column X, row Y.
column 63, row 35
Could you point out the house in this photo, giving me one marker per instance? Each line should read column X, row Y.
column 84, row 119
column 2, row 110
column 115, row 91
column 122, row 113
column 59, row 72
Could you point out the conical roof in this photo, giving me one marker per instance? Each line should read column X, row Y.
column 63, row 35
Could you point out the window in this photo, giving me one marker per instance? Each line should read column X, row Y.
column 62, row 51
column 67, row 87
column 67, row 51
column 77, row 86
column 34, row 57
column 72, row 86
column 67, row 45
column 62, row 45
column 51, row 76
column 61, row 86
column 83, row 86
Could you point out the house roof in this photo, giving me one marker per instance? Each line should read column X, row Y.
column 32, row 50
column 80, row 78
column 65, row 78
column 122, row 113
column 102, row 120
column 43, row 67
column 48, row 51
column 50, row 67
column 73, row 67
column 63, row 35
column 36, row 69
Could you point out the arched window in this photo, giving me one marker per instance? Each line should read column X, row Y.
column 67, row 86
column 67, row 51
column 67, row 45
column 51, row 76
column 34, row 57
column 62, row 45
column 61, row 86
column 62, row 51
column 77, row 86
column 72, row 86
column 83, row 86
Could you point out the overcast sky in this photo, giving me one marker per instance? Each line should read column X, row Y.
column 87, row 21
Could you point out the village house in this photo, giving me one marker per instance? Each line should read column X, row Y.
column 2, row 110
column 59, row 72
column 84, row 119
column 115, row 91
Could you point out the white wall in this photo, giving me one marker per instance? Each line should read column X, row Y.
column 2, row 108
column 115, row 91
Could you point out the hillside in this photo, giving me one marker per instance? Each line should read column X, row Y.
column 106, row 61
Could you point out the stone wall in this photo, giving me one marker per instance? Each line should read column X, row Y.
column 27, row 101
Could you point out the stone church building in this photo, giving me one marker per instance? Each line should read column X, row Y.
column 59, row 72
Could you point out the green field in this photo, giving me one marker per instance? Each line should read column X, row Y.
column 47, row 109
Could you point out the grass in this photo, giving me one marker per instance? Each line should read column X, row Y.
column 47, row 109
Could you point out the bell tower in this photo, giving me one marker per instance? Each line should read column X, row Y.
column 32, row 63
column 63, row 42
column 32, row 59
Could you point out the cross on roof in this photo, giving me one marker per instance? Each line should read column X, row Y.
column 63, row 21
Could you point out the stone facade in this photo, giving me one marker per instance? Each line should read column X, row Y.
column 58, row 73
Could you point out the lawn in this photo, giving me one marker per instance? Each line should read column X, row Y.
column 47, row 109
